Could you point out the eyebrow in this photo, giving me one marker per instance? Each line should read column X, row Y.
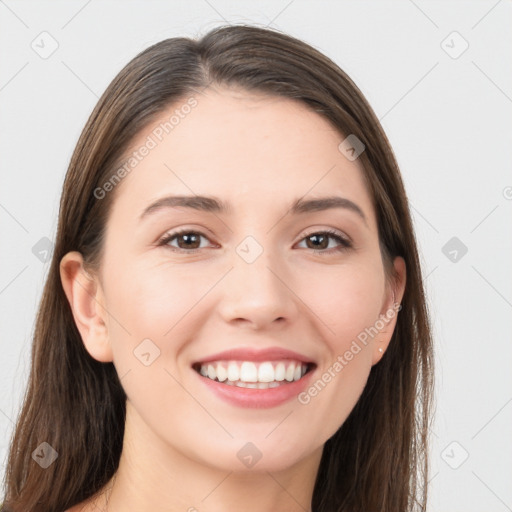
column 214, row 205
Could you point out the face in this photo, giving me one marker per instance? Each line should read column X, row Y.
column 281, row 287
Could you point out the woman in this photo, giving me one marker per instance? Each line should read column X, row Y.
column 234, row 316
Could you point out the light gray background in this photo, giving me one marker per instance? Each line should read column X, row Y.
column 447, row 118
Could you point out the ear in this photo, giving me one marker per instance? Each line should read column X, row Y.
column 390, row 310
column 86, row 299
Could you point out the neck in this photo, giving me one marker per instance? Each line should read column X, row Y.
column 156, row 477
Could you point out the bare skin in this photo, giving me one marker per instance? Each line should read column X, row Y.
column 258, row 154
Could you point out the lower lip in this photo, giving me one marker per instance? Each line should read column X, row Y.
column 257, row 398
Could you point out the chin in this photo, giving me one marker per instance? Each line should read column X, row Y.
column 250, row 457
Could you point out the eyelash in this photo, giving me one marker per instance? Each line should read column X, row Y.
column 345, row 244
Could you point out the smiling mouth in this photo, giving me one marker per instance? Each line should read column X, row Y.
column 255, row 375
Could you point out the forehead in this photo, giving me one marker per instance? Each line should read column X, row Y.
column 247, row 148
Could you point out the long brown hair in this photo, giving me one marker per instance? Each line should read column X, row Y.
column 378, row 459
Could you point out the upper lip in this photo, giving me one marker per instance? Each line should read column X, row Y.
column 251, row 354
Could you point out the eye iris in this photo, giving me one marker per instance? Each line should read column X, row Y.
column 190, row 237
column 324, row 241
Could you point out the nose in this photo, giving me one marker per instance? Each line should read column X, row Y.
column 257, row 294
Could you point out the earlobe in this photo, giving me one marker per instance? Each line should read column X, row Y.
column 85, row 297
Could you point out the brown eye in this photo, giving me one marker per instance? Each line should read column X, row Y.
column 188, row 241
column 320, row 241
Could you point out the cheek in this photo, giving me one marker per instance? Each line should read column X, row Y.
column 157, row 303
column 153, row 300
column 346, row 301
column 152, row 308
column 348, row 304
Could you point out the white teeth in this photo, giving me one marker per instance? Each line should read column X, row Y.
column 253, row 385
column 233, row 373
column 290, row 372
column 266, row 372
column 248, row 374
column 222, row 373
column 280, row 372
